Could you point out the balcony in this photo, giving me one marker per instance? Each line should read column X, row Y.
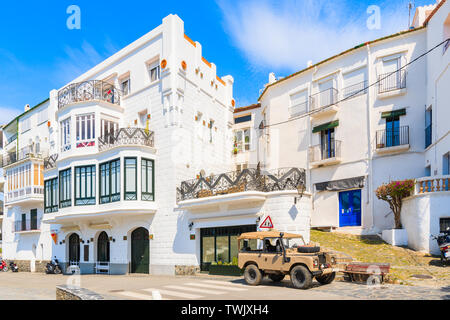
column 324, row 102
column 11, row 140
column 242, row 181
column 392, row 84
column 29, row 226
column 127, row 137
column 93, row 90
column 30, row 152
column 432, row 184
column 50, row 162
column 355, row 90
column 32, row 193
column 396, row 140
column 323, row 155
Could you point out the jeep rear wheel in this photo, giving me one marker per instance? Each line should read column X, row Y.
column 301, row 278
column 326, row 279
column 276, row 277
column 252, row 275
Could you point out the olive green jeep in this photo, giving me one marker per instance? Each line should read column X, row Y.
column 277, row 254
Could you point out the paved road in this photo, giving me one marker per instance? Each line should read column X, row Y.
column 28, row 286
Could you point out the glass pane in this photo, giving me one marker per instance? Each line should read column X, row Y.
column 233, row 248
column 130, row 171
column 208, row 249
column 222, row 249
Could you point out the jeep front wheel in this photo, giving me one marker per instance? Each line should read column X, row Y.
column 301, row 278
column 252, row 275
column 276, row 277
column 326, row 279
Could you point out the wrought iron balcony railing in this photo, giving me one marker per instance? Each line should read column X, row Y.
column 27, row 225
column 355, row 90
column 127, row 136
column 391, row 138
column 88, row 91
column 11, row 139
column 240, row 181
column 23, row 154
column 50, row 162
column 392, row 81
column 324, row 152
column 324, row 99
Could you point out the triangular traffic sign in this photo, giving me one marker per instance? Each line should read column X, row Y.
column 267, row 224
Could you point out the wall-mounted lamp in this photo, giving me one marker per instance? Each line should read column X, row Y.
column 300, row 190
column 190, row 226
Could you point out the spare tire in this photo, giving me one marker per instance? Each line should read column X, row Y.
column 308, row 249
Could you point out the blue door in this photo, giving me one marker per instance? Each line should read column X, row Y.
column 350, row 208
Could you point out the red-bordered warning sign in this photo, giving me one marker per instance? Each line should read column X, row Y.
column 267, row 223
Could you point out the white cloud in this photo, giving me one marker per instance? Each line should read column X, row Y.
column 284, row 37
column 8, row 114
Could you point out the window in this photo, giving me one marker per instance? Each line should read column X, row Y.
column 299, row 103
column 354, row 84
column 85, row 127
column 446, row 164
column 50, row 196
column 108, row 128
column 85, row 185
column 444, row 223
column 428, row 126
column 110, row 181
column 43, row 116
column 154, row 72
column 26, row 125
column 65, row 135
column 241, row 140
column 327, row 143
column 65, row 189
column 243, row 119
column 130, row 179
column 125, row 86
column 33, row 219
column 147, row 180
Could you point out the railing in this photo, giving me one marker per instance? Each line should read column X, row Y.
column 88, row 91
column 127, row 136
column 240, row 181
column 355, row 90
column 428, row 137
column 299, row 109
column 324, row 99
column 50, row 162
column 23, row 154
column 392, row 81
column 324, row 152
column 23, row 193
column 392, row 138
column 432, row 184
column 27, row 225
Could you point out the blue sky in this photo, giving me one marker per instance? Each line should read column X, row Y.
column 247, row 38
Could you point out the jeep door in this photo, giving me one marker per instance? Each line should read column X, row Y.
column 272, row 256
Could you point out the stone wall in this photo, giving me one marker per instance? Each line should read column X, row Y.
column 186, row 270
column 24, row 265
column 64, row 292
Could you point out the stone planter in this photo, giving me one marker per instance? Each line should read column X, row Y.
column 222, row 270
column 395, row 237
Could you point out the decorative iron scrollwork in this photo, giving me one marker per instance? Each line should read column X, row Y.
column 88, row 91
column 126, row 136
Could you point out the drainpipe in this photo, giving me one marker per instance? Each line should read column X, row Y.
column 369, row 139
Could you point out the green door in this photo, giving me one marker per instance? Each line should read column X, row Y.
column 140, row 251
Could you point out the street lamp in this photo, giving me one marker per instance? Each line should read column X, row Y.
column 300, row 190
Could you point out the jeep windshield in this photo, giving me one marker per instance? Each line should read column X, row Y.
column 293, row 243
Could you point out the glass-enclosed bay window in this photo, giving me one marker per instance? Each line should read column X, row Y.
column 51, row 195
column 147, row 180
column 85, row 130
column 130, row 179
column 110, row 181
column 65, row 134
column 65, row 188
column 85, row 185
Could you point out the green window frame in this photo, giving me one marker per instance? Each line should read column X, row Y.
column 85, row 185
column 147, row 180
column 109, row 181
column 130, row 179
column 51, row 195
column 65, row 188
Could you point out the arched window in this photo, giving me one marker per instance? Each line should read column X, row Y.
column 74, row 248
column 103, row 247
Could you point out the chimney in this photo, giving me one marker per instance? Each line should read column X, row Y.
column 272, row 78
column 309, row 63
column 27, row 107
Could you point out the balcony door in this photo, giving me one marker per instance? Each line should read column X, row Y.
column 33, row 219
column 350, row 208
column 392, row 131
column 327, row 144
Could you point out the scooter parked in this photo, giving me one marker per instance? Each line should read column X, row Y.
column 443, row 241
column 13, row 267
column 4, row 266
column 53, row 267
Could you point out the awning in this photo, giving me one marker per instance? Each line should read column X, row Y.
column 338, row 185
column 395, row 113
column 326, row 126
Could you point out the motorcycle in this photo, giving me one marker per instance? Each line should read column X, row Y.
column 4, row 266
column 13, row 267
column 53, row 267
column 443, row 241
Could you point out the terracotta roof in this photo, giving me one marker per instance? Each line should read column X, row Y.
column 338, row 55
column 250, row 107
column 433, row 13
